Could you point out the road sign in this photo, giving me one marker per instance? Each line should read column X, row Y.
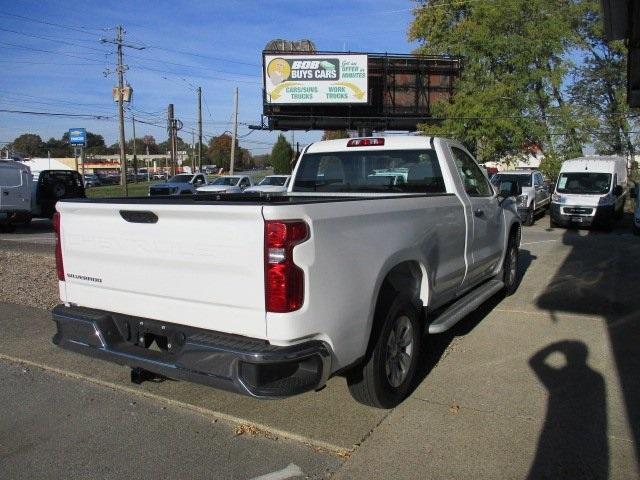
column 77, row 136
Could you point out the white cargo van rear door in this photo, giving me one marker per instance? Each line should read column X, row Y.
column 14, row 188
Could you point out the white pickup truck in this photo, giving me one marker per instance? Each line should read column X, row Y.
column 270, row 296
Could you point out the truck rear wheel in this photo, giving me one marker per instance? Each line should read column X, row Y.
column 385, row 377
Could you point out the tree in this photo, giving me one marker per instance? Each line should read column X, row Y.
column 550, row 166
column 219, row 150
column 334, row 134
column 150, row 145
column 58, row 148
column 281, row 156
column 599, row 87
column 29, row 144
column 515, row 62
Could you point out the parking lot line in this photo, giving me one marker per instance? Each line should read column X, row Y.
column 539, row 241
column 231, row 419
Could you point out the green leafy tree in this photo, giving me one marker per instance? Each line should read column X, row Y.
column 150, row 145
column 599, row 86
column 281, row 156
column 511, row 91
column 550, row 166
column 219, row 150
column 29, row 144
column 58, row 148
column 334, row 134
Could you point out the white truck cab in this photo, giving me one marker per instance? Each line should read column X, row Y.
column 590, row 191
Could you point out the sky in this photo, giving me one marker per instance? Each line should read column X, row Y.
column 52, row 59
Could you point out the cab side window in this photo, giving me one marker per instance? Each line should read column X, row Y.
column 475, row 183
column 537, row 180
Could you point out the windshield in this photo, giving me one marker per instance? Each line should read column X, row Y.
column 522, row 180
column 276, row 181
column 226, row 181
column 401, row 171
column 180, row 179
column 584, row 183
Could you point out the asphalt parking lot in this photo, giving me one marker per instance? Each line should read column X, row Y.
column 543, row 384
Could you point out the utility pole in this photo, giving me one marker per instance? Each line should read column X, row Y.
column 235, row 131
column 200, row 128
column 171, row 130
column 120, row 69
column 135, row 157
column 193, row 151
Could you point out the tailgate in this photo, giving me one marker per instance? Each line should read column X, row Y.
column 198, row 265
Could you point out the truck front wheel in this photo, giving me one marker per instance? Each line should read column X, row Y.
column 385, row 377
column 529, row 218
column 510, row 270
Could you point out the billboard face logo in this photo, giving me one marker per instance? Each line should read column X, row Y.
column 278, row 70
column 316, row 78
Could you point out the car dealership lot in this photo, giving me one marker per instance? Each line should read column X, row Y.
column 486, row 407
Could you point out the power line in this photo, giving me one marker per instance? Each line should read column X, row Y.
column 51, row 51
column 56, row 114
column 218, row 59
column 53, row 24
column 57, row 40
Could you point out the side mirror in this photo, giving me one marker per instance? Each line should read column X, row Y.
column 509, row 189
column 617, row 190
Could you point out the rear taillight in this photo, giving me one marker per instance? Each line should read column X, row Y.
column 59, row 265
column 365, row 142
column 284, row 280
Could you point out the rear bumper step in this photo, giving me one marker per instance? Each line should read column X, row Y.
column 229, row 362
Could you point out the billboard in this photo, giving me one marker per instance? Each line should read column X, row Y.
column 401, row 91
column 77, row 136
column 315, row 79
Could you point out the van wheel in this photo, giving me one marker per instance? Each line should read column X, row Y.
column 552, row 223
column 510, row 268
column 385, row 377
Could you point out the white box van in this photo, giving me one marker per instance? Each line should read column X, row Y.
column 590, row 191
column 15, row 190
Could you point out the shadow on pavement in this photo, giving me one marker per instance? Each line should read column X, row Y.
column 573, row 442
column 600, row 277
column 434, row 347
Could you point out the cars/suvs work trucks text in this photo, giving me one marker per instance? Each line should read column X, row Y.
column 270, row 296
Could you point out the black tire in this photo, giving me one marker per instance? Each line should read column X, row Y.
column 371, row 383
column 58, row 190
column 510, row 268
column 529, row 218
column 552, row 223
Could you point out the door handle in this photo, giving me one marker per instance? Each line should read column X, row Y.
column 478, row 212
column 5, row 193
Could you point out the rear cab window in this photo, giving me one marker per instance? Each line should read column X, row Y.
column 367, row 171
